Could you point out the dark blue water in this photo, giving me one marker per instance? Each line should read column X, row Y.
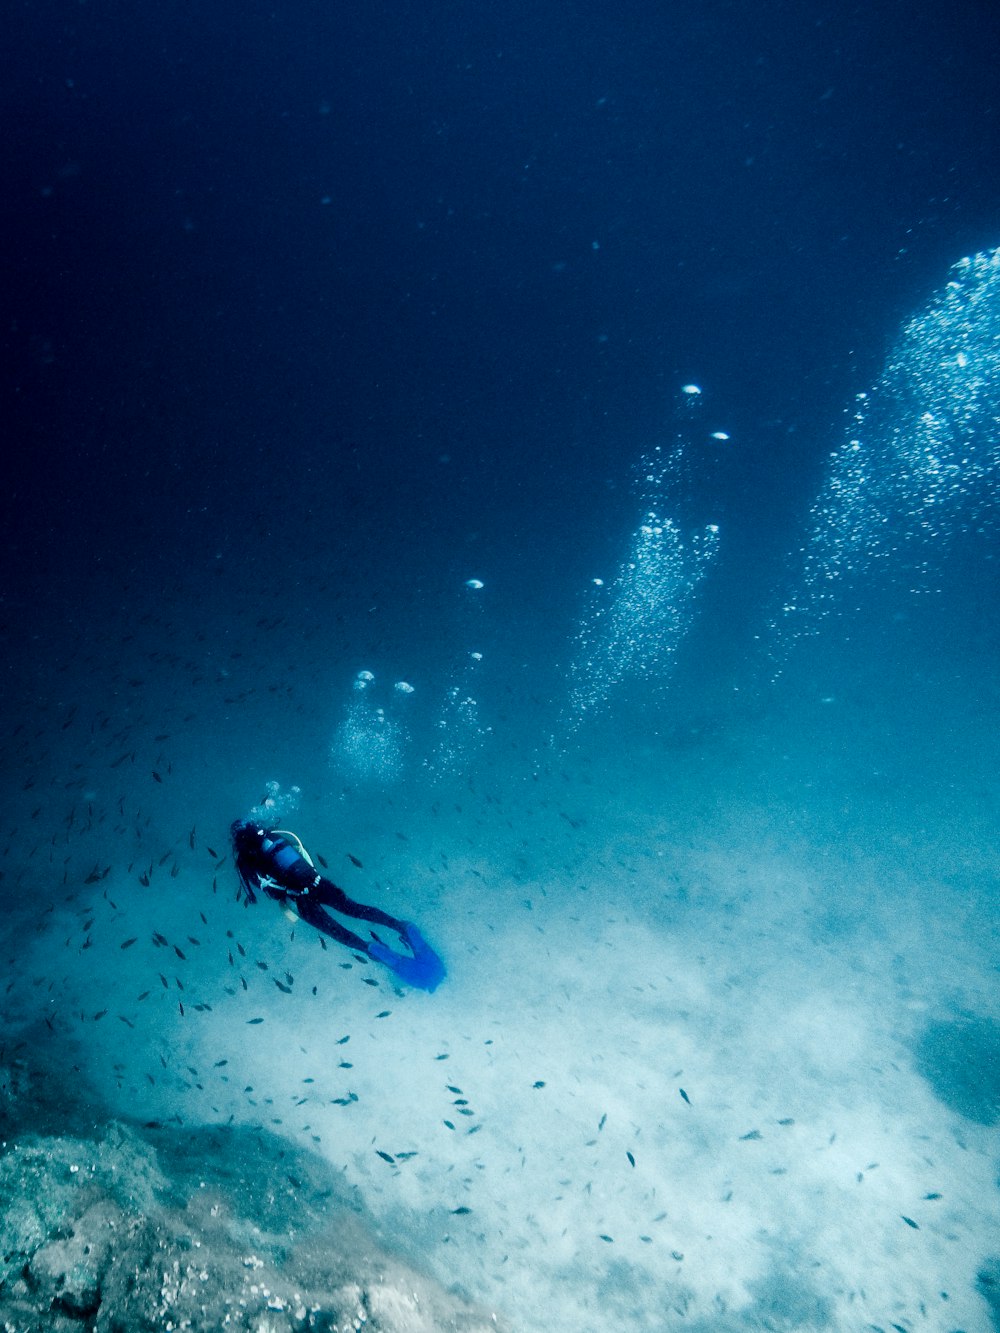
column 343, row 341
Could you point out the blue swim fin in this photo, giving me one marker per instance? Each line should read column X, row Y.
column 424, row 970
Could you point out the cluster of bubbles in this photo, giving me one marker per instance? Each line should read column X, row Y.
column 275, row 804
column 922, row 459
column 632, row 629
column 921, row 462
column 370, row 740
column 458, row 727
column 460, row 730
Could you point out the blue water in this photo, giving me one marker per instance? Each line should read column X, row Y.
column 553, row 457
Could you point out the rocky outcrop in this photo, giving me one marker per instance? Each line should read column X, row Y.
column 149, row 1230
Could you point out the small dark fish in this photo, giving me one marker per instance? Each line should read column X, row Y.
column 251, row 1022
column 181, row 956
column 127, row 944
column 461, row 1212
column 212, row 852
column 181, row 1008
column 540, row 1083
column 120, row 760
column 384, row 1014
column 191, row 839
column 385, row 1157
column 354, row 860
column 262, row 966
column 144, row 880
column 143, row 996
column 448, row 1123
column 932, row 1196
column 684, row 1095
column 910, row 1222
column 609, row 1239
column 281, row 986
column 192, row 940
column 157, row 776
column 323, row 862
column 752, row 1136
column 101, row 1013
column 602, row 1122
column 219, row 1063
column 631, row 1159
column 442, row 1057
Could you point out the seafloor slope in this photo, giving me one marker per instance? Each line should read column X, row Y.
column 119, row 1228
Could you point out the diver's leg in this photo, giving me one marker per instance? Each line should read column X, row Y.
column 311, row 912
column 331, row 896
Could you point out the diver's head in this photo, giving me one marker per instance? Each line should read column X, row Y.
column 246, row 836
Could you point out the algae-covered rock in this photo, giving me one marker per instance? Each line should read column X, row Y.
column 47, row 1185
column 69, row 1272
column 198, row 1230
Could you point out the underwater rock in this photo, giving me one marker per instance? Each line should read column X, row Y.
column 198, row 1229
column 960, row 1059
column 68, row 1273
column 988, row 1286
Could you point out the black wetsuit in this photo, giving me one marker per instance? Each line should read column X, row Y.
column 268, row 862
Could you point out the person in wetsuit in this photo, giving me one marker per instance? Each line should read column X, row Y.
column 274, row 862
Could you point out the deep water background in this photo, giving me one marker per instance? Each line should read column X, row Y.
column 269, row 266
column 313, row 313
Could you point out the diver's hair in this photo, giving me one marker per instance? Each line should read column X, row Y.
column 244, row 890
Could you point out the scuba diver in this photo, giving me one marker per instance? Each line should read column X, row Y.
column 275, row 862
